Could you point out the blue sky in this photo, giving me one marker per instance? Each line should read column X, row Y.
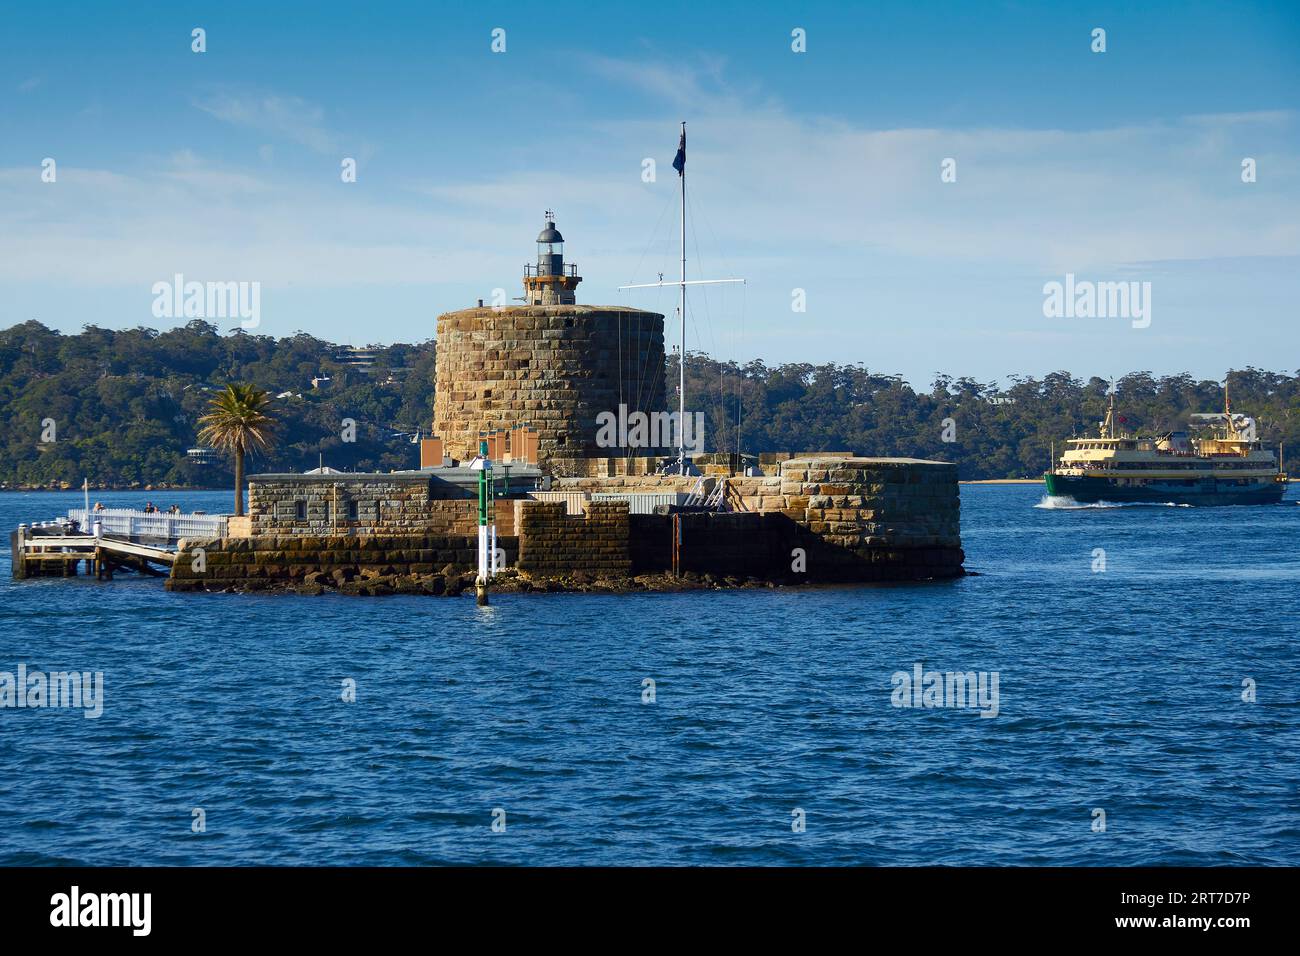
column 816, row 171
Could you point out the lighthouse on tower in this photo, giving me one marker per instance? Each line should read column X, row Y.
column 550, row 282
column 546, row 368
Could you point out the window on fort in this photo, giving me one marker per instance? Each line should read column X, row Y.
column 300, row 510
column 354, row 509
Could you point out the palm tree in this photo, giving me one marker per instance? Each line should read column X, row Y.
column 237, row 422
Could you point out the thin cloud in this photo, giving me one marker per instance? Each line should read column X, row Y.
column 290, row 117
column 701, row 85
column 854, row 214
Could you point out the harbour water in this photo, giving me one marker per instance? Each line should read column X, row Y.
column 1121, row 638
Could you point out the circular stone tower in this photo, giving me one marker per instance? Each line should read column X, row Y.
column 552, row 364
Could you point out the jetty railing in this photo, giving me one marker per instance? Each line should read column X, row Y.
column 150, row 524
column 642, row 502
column 638, row 502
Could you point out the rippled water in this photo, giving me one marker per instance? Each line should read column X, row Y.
column 1119, row 690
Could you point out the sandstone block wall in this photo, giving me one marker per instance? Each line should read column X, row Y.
column 646, row 483
column 876, row 502
column 385, row 504
column 774, row 547
column 862, row 518
column 851, row 519
column 861, row 501
column 641, row 464
column 553, row 542
column 855, row 519
column 287, row 560
column 553, row 367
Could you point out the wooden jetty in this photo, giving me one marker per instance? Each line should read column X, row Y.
column 107, row 539
column 57, row 552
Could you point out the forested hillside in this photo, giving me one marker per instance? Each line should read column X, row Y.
column 997, row 432
column 124, row 404
column 124, row 407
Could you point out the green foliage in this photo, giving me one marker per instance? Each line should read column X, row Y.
column 237, row 420
column 127, row 405
column 1000, row 433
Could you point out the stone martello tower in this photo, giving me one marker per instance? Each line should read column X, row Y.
column 551, row 364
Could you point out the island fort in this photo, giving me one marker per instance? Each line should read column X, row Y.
column 525, row 393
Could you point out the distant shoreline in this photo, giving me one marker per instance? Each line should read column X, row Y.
column 971, row 481
column 78, row 489
column 156, row 490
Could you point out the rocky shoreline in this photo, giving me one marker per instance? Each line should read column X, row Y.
column 453, row 582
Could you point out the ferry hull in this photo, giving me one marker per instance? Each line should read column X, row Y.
column 1195, row 492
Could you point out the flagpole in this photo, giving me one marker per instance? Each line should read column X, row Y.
column 681, row 365
column 681, row 284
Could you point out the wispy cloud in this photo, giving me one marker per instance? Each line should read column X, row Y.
column 188, row 168
column 1031, row 199
column 702, row 83
column 815, row 194
column 31, row 83
column 289, row 117
column 856, row 215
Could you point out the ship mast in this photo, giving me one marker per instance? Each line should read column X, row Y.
column 1108, row 426
column 1229, row 430
column 680, row 165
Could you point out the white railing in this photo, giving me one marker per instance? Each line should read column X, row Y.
column 642, row 502
column 696, row 497
column 717, row 495
column 145, row 524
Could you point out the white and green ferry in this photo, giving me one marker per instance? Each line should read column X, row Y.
column 1221, row 463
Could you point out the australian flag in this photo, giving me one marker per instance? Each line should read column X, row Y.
column 679, row 161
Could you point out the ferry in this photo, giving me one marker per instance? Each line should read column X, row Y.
column 1221, row 464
